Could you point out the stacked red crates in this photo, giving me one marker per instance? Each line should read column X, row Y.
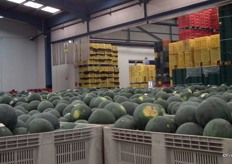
column 199, row 24
column 215, row 21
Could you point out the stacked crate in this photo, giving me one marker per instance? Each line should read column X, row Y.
column 173, row 57
column 188, row 52
column 199, row 24
column 101, row 69
column 215, row 50
column 203, row 51
column 140, row 75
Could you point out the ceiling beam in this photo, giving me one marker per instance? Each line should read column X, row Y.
column 60, row 19
column 35, row 22
column 165, row 24
column 103, row 5
column 68, row 6
column 150, row 34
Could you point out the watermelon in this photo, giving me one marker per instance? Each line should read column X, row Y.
column 80, row 111
column 33, row 105
column 175, row 108
column 60, row 108
column 110, row 94
column 44, row 105
column 21, row 109
column 136, row 100
column 218, row 128
column 121, row 99
column 67, row 109
column 161, row 124
column 82, row 121
column 212, row 108
column 88, row 98
column 101, row 116
column 6, row 99
column 129, row 106
column 20, row 123
column 18, row 112
column 190, row 128
column 33, row 97
column 8, row 116
column 20, row 131
column 96, row 101
column 79, row 126
column 55, row 113
column 4, row 131
column 51, row 118
column 161, row 95
column 104, row 103
column 125, row 123
column 144, row 112
column 24, row 117
column 185, row 114
column 39, row 125
column 163, row 103
column 32, row 112
column 117, row 109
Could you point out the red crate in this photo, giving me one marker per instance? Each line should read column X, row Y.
column 181, row 22
column 190, row 33
column 214, row 11
column 181, row 34
column 215, row 22
column 192, row 20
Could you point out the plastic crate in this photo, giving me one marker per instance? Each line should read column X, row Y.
column 189, row 59
column 215, row 41
column 140, row 147
column 197, row 44
column 205, row 55
column 205, row 42
column 181, row 34
column 172, row 48
column 180, row 46
column 197, row 56
column 188, row 45
column 215, row 54
column 82, row 146
column 181, row 21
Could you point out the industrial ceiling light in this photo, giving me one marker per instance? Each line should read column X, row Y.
column 50, row 9
column 33, row 4
column 17, row 1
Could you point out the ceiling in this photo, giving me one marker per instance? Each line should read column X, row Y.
column 70, row 10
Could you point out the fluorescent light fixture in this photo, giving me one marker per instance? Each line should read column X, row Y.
column 1, row 17
column 33, row 4
column 17, row 1
column 50, row 9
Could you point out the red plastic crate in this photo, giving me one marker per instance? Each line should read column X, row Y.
column 214, row 11
column 181, row 22
column 190, row 33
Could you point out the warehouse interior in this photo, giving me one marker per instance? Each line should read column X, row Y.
column 146, row 25
column 116, row 81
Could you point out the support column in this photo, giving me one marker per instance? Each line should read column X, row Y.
column 48, row 61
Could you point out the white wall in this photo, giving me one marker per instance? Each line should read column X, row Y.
column 19, row 56
column 130, row 53
column 41, row 62
column 63, row 77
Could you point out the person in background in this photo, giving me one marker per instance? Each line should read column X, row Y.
column 146, row 61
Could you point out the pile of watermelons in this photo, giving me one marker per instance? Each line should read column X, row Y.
column 192, row 110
